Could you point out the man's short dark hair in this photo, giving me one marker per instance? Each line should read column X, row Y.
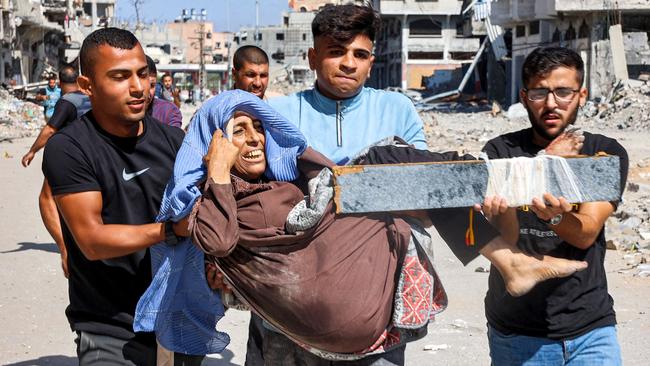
column 51, row 76
column 344, row 22
column 114, row 37
column 250, row 54
column 151, row 65
column 543, row 60
column 167, row 75
column 68, row 74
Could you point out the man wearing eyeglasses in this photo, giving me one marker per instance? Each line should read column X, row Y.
column 567, row 321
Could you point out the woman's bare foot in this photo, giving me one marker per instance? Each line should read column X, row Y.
column 568, row 143
column 525, row 272
column 521, row 272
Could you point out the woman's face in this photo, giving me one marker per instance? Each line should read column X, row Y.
column 248, row 136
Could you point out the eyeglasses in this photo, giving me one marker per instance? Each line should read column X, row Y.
column 561, row 94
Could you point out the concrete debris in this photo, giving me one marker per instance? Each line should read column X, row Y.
column 496, row 109
column 627, row 107
column 454, row 107
column 18, row 118
column 288, row 81
column 517, row 111
column 283, row 87
column 644, row 267
column 415, row 96
column 436, row 347
column 611, row 245
column 460, row 324
column 633, row 259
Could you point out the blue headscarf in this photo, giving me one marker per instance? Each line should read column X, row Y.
column 178, row 305
column 284, row 143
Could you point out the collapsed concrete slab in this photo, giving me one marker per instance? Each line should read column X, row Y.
column 399, row 187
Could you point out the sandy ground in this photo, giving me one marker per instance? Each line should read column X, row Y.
column 34, row 331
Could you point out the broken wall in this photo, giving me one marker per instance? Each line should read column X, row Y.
column 602, row 69
column 438, row 78
column 637, row 53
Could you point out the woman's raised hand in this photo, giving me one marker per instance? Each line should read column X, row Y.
column 220, row 158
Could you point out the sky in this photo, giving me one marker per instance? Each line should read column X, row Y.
column 240, row 12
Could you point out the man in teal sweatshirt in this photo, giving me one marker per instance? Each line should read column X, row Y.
column 340, row 117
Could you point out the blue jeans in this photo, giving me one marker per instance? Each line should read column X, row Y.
column 598, row 347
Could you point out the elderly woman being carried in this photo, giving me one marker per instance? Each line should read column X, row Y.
column 327, row 281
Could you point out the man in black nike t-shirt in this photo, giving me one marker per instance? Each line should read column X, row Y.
column 565, row 321
column 108, row 172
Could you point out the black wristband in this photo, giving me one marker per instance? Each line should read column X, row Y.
column 170, row 236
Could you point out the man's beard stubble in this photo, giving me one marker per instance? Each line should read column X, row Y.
column 538, row 126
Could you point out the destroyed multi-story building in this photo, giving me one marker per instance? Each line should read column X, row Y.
column 195, row 31
column 422, row 44
column 610, row 36
column 286, row 44
column 315, row 5
column 160, row 43
column 38, row 35
column 178, row 41
column 190, row 50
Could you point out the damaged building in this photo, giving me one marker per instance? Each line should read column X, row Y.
column 611, row 37
column 422, row 44
column 32, row 39
column 286, row 44
column 39, row 35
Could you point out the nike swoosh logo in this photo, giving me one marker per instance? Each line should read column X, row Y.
column 128, row 176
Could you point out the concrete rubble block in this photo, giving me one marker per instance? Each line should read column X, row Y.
column 618, row 51
column 633, row 259
column 611, row 244
column 435, row 347
column 398, row 187
column 632, row 187
column 517, row 110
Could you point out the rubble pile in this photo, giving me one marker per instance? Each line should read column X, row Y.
column 282, row 86
column 466, row 132
column 627, row 107
column 18, row 118
column 629, row 228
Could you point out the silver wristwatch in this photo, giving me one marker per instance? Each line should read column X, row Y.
column 555, row 220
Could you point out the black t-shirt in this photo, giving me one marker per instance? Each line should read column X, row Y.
column 131, row 174
column 64, row 113
column 562, row 308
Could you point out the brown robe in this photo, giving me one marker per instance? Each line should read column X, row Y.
column 330, row 287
